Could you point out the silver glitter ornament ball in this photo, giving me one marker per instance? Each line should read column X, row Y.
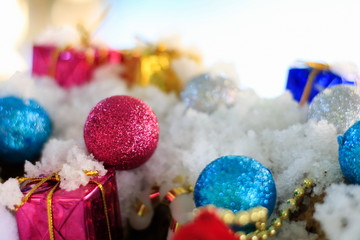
column 339, row 105
column 206, row 92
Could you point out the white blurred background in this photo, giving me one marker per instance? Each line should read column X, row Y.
column 260, row 37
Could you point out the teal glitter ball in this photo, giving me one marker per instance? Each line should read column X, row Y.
column 24, row 128
column 237, row 183
column 349, row 153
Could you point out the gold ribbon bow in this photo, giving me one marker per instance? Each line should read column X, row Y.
column 316, row 69
column 85, row 40
column 56, row 178
column 152, row 65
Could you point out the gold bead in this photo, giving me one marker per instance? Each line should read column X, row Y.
column 298, row 193
column 227, row 216
column 242, row 218
column 251, row 236
column 241, row 235
column 210, row 207
column 292, row 203
column 272, row 231
column 284, row 214
column 261, row 226
column 263, row 212
column 277, row 222
column 254, row 217
column 264, row 236
column 308, row 183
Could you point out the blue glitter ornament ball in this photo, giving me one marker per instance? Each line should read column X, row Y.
column 206, row 92
column 24, row 128
column 236, row 183
column 349, row 153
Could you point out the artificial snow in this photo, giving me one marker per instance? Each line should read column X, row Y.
column 8, row 227
column 11, row 190
column 67, row 158
column 339, row 214
column 273, row 131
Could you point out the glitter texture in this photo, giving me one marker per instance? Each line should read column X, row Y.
column 24, row 128
column 339, row 105
column 236, row 183
column 122, row 131
column 349, row 153
column 206, row 93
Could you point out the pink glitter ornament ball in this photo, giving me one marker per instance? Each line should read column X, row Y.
column 121, row 131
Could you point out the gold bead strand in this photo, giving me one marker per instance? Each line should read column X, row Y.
column 276, row 223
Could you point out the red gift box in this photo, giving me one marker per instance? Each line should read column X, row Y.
column 89, row 212
column 71, row 66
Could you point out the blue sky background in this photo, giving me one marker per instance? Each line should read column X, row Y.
column 261, row 37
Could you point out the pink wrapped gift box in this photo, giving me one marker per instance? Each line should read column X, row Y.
column 77, row 215
column 71, row 66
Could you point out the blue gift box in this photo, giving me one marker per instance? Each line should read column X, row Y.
column 299, row 76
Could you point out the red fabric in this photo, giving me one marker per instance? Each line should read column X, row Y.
column 207, row 226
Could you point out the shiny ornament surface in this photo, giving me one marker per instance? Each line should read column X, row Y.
column 24, row 128
column 339, row 105
column 236, row 183
column 121, row 131
column 349, row 153
column 206, row 93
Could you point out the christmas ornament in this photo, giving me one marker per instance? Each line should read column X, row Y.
column 307, row 79
column 236, row 183
column 24, row 128
column 349, row 149
column 206, row 93
column 339, row 105
column 257, row 216
column 121, row 131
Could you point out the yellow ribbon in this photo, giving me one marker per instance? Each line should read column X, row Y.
column 55, row 177
column 85, row 37
column 169, row 197
column 176, row 192
column 316, row 69
column 153, row 66
column 174, row 225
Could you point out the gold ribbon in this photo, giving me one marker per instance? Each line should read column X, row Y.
column 174, row 225
column 140, row 208
column 89, row 57
column 169, row 197
column 153, row 66
column 176, row 192
column 85, row 39
column 316, row 69
column 56, row 178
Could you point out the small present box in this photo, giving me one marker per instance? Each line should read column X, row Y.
column 152, row 65
column 71, row 66
column 89, row 212
column 306, row 80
